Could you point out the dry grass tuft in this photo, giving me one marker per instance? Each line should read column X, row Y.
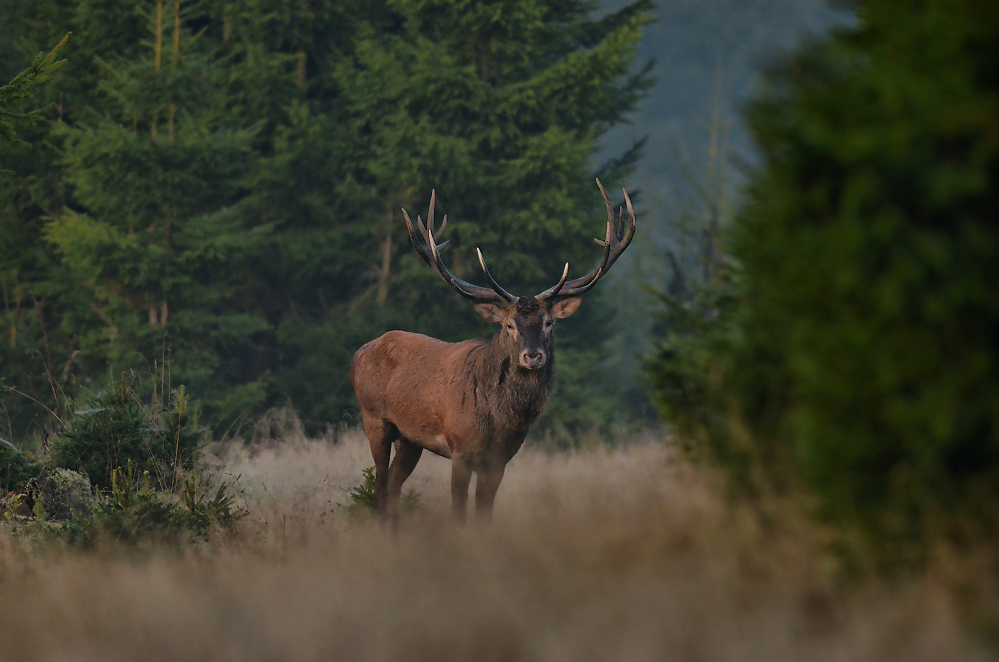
column 598, row 555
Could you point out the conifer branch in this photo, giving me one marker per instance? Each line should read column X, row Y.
column 22, row 87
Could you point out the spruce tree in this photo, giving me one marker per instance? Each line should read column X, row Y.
column 156, row 244
column 22, row 86
column 30, row 375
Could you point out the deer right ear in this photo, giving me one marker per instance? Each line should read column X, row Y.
column 566, row 307
column 490, row 312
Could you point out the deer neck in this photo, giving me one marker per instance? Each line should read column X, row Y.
column 520, row 393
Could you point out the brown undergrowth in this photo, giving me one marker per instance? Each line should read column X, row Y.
column 601, row 554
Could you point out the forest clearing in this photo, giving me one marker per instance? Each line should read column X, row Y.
column 599, row 554
column 774, row 430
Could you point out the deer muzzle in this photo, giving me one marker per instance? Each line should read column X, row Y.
column 533, row 359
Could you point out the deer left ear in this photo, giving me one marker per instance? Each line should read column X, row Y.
column 566, row 307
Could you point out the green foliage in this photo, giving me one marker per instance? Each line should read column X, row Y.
column 205, row 513
column 16, row 468
column 156, row 247
column 116, row 429
column 133, row 512
column 23, row 87
column 226, row 182
column 142, row 459
column 362, row 497
column 499, row 109
column 13, row 508
column 688, row 365
column 863, row 359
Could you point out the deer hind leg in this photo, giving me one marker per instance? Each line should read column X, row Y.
column 461, row 475
column 487, row 481
column 406, row 456
column 380, row 435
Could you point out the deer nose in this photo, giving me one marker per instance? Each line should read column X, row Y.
column 532, row 359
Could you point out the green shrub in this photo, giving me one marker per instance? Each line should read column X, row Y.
column 687, row 365
column 864, row 360
column 16, row 468
column 133, row 512
column 362, row 497
column 140, row 458
column 206, row 513
column 115, row 429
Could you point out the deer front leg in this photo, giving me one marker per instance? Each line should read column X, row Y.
column 407, row 455
column 461, row 475
column 380, row 439
column 486, row 483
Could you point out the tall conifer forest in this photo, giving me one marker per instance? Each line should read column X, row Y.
column 215, row 195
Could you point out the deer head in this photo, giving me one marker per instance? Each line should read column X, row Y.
column 527, row 322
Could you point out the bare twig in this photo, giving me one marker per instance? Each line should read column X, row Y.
column 48, row 357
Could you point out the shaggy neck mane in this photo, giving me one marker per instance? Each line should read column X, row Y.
column 520, row 393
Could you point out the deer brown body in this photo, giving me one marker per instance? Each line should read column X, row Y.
column 473, row 401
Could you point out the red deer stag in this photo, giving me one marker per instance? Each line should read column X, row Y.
column 472, row 401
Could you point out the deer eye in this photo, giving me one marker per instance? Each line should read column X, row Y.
column 548, row 324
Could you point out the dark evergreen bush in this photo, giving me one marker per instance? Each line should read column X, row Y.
column 116, row 428
column 691, row 360
column 132, row 512
column 869, row 332
column 16, row 468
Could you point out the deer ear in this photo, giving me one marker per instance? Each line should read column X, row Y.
column 566, row 307
column 490, row 312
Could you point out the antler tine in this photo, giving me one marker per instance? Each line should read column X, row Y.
column 430, row 212
column 553, row 291
column 492, row 281
column 416, row 242
column 610, row 210
column 623, row 234
column 412, row 234
column 617, row 238
column 465, row 288
column 431, row 255
column 592, row 277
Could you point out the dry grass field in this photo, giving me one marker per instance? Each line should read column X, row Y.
column 603, row 554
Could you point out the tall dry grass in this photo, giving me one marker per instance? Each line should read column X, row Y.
column 597, row 555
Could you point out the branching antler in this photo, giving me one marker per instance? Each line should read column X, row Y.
column 431, row 255
column 619, row 235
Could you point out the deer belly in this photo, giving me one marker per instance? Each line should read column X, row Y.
column 438, row 445
column 435, row 443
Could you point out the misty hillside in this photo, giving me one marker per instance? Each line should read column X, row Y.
column 705, row 48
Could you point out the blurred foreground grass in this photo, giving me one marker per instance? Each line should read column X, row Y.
column 601, row 554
